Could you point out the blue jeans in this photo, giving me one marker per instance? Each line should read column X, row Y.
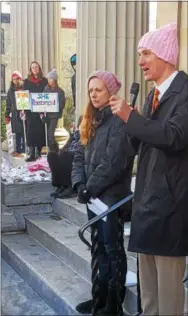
column 111, row 253
column 20, row 145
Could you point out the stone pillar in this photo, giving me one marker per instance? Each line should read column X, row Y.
column 177, row 12
column 183, row 34
column 107, row 37
column 35, row 31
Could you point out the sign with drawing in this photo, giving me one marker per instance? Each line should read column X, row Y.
column 22, row 100
column 44, row 102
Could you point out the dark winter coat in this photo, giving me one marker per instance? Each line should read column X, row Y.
column 16, row 122
column 160, row 210
column 61, row 97
column 105, row 165
column 35, row 128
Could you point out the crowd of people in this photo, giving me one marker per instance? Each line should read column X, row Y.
column 35, row 134
column 98, row 162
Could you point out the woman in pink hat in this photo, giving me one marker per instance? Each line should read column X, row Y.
column 13, row 115
column 102, row 168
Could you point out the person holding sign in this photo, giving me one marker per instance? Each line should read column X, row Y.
column 13, row 115
column 51, row 118
column 102, row 168
column 35, row 82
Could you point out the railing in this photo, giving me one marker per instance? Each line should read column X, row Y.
column 97, row 218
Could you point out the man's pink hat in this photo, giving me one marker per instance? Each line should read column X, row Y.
column 163, row 42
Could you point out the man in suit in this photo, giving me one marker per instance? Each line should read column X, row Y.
column 159, row 229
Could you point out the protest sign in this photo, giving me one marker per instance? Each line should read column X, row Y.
column 22, row 100
column 44, row 102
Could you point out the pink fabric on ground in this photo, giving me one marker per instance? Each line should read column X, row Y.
column 40, row 164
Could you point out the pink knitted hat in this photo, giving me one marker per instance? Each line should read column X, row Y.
column 163, row 42
column 112, row 83
column 17, row 74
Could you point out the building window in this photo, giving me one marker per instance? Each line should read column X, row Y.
column 2, row 41
column 3, row 90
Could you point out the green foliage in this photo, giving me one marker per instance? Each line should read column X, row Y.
column 68, row 114
column 3, row 124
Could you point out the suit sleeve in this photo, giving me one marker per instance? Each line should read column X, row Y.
column 113, row 163
column 171, row 135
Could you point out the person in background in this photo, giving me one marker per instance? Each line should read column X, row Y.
column 61, row 166
column 13, row 115
column 52, row 118
column 159, row 224
column 102, row 168
column 35, row 82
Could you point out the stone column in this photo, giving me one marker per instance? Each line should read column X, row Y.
column 35, row 31
column 107, row 37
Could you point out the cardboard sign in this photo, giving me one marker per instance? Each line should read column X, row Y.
column 22, row 100
column 44, row 102
column 11, row 139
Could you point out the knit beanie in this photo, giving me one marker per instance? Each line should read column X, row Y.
column 52, row 74
column 163, row 42
column 112, row 83
column 17, row 74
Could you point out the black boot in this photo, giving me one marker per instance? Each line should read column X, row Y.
column 31, row 156
column 57, row 191
column 86, row 307
column 67, row 193
column 113, row 305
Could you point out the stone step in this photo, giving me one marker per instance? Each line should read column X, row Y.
column 22, row 300
column 60, row 287
column 61, row 237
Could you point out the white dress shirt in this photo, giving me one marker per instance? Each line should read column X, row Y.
column 163, row 87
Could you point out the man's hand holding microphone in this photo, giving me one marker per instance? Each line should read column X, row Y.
column 120, row 107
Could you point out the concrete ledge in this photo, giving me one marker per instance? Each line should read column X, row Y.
column 25, row 193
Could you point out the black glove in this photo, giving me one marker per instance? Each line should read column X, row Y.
column 45, row 120
column 83, row 194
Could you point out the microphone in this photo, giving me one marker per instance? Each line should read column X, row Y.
column 134, row 93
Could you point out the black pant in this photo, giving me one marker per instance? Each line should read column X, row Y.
column 34, row 130
column 51, row 126
column 111, row 252
column 20, row 143
column 61, row 167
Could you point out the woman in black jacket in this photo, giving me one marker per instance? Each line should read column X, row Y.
column 35, row 129
column 102, row 168
column 52, row 118
column 13, row 115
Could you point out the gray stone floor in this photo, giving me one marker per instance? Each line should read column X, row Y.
column 17, row 298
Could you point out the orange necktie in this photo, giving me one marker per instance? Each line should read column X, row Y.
column 155, row 101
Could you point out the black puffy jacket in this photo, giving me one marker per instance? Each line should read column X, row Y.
column 105, row 165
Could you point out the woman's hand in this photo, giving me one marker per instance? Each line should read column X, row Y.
column 83, row 194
